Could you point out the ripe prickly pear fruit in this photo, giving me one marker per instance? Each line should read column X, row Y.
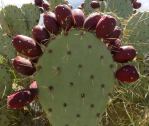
column 115, row 33
column 105, row 26
column 34, row 60
column 23, row 66
column 136, row 5
column 91, row 21
column 125, row 54
column 40, row 34
column 20, row 99
column 26, row 46
column 38, row 3
column 79, row 18
column 33, row 87
column 64, row 16
column 127, row 74
column 95, row 4
column 51, row 23
column 114, row 45
column 45, row 6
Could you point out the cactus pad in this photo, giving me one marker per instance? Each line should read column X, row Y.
column 53, row 3
column 136, row 33
column 122, row 8
column 6, row 48
column 31, row 14
column 14, row 20
column 87, row 7
column 75, row 78
column 5, row 81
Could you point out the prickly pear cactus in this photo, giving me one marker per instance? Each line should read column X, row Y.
column 14, row 21
column 136, row 32
column 102, row 6
column 87, row 7
column 53, row 3
column 75, row 74
column 31, row 14
column 122, row 8
column 5, row 79
column 6, row 48
column 73, row 83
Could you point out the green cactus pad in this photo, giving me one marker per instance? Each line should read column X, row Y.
column 6, row 48
column 136, row 33
column 75, row 78
column 102, row 6
column 31, row 14
column 122, row 8
column 14, row 20
column 87, row 7
column 5, row 81
column 53, row 3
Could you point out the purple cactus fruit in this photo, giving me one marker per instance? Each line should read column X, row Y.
column 125, row 54
column 51, row 23
column 79, row 18
column 91, row 21
column 95, row 4
column 33, row 87
column 26, row 46
column 64, row 16
column 127, row 74
column 34, row 60
column 38, row 2
column 115, row 33
column 40, row 34
column 114, row 45
column 23, row 66
column 46, row 6
column 136, row 5
column 105, row 26
column 19, row 99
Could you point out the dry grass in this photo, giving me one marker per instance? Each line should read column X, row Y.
column 129, row 105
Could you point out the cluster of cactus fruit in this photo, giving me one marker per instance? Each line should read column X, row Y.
column 96, row 4
column 70, row 57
